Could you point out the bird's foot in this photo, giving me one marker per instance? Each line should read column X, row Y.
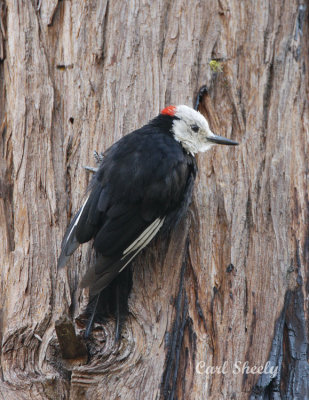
column 91, row 319
column 91, row 169
column 98, row 159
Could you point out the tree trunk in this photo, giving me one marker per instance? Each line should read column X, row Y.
column 230, row 285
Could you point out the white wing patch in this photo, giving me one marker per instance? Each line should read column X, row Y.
column 142, row 241
column 148, row 230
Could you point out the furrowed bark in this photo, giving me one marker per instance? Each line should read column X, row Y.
column 230, row 284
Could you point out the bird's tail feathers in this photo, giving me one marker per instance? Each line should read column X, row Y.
column 97, row 281
column 106, row 269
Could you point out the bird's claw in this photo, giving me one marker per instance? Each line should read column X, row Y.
column 91, row 169
column 98, row 157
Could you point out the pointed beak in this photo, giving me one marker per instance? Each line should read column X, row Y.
column 221, row 140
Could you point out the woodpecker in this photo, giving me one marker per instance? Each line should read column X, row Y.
column 142, row 186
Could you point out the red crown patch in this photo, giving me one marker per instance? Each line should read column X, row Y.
column 170, row 110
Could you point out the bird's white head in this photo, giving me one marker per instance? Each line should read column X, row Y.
column 191, row 129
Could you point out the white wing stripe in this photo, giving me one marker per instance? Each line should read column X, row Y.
column 152, row 235
column 77, row 219
column 146, row 240
column 145, row 233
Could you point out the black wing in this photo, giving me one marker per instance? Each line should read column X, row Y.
column 144, row 181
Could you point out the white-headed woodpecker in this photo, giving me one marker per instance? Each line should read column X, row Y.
column 143, row 185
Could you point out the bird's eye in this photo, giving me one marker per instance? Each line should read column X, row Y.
column 195, row 128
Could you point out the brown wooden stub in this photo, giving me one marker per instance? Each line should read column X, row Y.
column 72, row 347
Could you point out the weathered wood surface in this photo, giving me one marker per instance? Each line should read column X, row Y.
column 76, row 76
